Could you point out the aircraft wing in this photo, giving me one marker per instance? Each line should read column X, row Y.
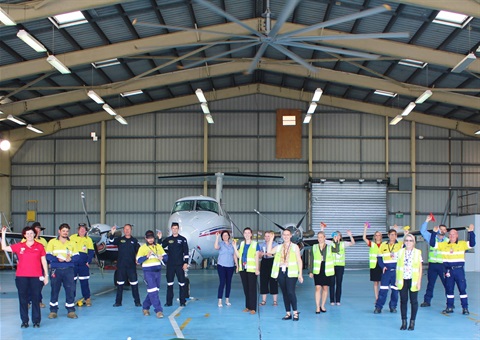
column 229, row 176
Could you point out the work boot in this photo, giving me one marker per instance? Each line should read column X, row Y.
column 88, row 302
column 465, row 311
column 404, row 325
column 146, row 312
column 42, row 305
column 377, row 311
column 447, row 311
column 52, row 315
column 159, row 315
column 425, row 304
column 72, row 315
column 393, row 310
column 412, row 325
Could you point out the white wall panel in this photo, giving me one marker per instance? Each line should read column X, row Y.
column 180, row 124
column 35, row 151
column 334, row 124
column 77, row 175
column 328, row 149
column 372, row 150
column 433, row 175
column 241, row 149
column 130, row 200
column 77, row 150
column 33, row 175
column 178, row 149
column 372, row 125
column 131, row 174
column 130, row 149
column 471, row 152
column 434, row 151
column 399, row 150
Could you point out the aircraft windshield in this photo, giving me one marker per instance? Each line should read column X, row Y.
column 199, row 205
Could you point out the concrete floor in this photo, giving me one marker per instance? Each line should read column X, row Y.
column 202, row 319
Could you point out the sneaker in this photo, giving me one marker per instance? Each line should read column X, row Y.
column 36, row 325
column 116, row 304
column 138, row 304
column 72, row 315
column 52, row 315
column 183, row 304
column 338, row 303
column 377, row 311
column 159, row 315
column 465, row 311
column 393, row 310
column 168, row 305
column 24, row 325
column 146, row 312
column 88, row 302
column 447, row 311
column 42, row 305
column 332, row 303
column 425, row 304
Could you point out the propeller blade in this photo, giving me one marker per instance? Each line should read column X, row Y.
column 255, row 60
column 397, row 35
column 187, row 29
column 354, row 16
column 265, row 217
column 95, row 249
column 332, row 50
column 227, row 16
column 301, row 220
column 283, row 17
column 295, row 58
column 221, row 55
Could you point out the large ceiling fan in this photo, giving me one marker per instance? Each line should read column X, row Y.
column 270, row 37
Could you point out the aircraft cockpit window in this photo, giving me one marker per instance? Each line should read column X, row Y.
column 207, row 206
column 183, row 206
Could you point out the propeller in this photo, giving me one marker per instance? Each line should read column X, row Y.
column 97, row 260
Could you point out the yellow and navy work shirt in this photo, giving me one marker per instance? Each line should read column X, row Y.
column 453, row 253
column 84, row 247
column 57, row 249
column 40, row 240
column 387, row 254
column 152, row 263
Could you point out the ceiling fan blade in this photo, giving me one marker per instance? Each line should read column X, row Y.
column 209, row 44
column 221, row 55
column 332, row 50
column 255, row 60
column 282, row 18
column 354, row 16
column 398, row 35
column 227, row 16
column 295, row 57
column 187, row 29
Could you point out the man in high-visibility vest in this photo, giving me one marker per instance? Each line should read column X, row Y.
column 453, row 253
column 435, row 260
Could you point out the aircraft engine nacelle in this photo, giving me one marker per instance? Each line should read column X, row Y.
column 297, row 233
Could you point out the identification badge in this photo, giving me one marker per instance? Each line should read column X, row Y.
column 392, row 255
column 451, row 250
column 284, row 269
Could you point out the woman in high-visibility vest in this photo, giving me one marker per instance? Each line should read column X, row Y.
column 409, row 279
column 322, row 272
column 287, row 268
column 375, row 269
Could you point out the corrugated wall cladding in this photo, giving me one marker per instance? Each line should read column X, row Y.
column 33, row 175
column 435, row 151
column 282, row 200
column 77, row 175
column 44, row 197
column 179, row 124
column 69, row 200
column 140, row 222
column 433, row 201
column 402, row 129
column 35, row 151
column 347, row 150
column 130, row 149
column 138, row 126
column 470, row 152
column 372, row 150
column 233, row 149
column 372, row 125
column 131, row 174
column 399, row 150
column 235, row 123
column 336, row 124
column 130, row 200
column 433, row 175
column 178, row 150
column 77, row 150
column 471, row 177
column 336, row 171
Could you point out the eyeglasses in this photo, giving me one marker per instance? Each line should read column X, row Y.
column 408, row 240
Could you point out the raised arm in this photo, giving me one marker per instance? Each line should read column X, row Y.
column 352, row 240
column 217, row 236
column 423, row 229
column 4, row 242
column 471, row 236
column 365, row 226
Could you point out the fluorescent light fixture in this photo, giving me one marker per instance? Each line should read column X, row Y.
column 408, row 109
column 341, row 180
column 385, row 93
column 31, row 41
column 395, row 120
column 452, row 19
column 323, row 180
column 413, row 63
column 209, row 119
column 109, row 109
column 312, row 107
column 317, row 95
column 205, row 108
column 106, row 63
column 34, row 129
column 361, row 180
column 5, row 145
column 58, row 64
column 96, row 98
column 121, row 120
column 5, row 18
column 379, row 181
column 200, row 96
column 289, row 120
column 16, row 120
column 462, row 65
column 307, row 119
column 131, row 93
column 477, row 132
column 68, row 19
column 424, row 96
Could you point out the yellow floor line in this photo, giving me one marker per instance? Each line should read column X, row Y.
column 183, row 325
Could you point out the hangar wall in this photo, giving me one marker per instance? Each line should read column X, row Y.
column 55, row 169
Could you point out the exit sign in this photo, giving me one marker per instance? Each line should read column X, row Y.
column 399, row 215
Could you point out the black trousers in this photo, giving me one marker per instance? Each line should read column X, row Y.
column 130, row 274
column 336, row 285
column 29, row 289
column 172, row 271
column 287, row 285
column 249, row 283
column 268, row 285
column 404, row 293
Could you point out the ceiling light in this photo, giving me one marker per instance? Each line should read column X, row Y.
column 408, row 109
column 5, row 145
column 209, row 118
column 424, row 96
column 462, row 65
column 106, row 63
column 5, row 18
column 109, row 109
column 200, row 96
column 395, row 120
column 385, row 93
column 452, row 19
column 31, row 41
column 131, row 93
column 312, row 107
column 121, row 120
column 58, row 64
column 323, row 180
column 413, row 63
column 477, row 132
column 16, row 120
column 68, row 19
column 317, row 95
column 307, row 119
column 96, row 98
column 379, row 181
column 361, row 180
column 34, row 129
column 341, row 180
column 205, row 108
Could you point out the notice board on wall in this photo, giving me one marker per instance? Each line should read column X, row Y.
column 289, row 134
